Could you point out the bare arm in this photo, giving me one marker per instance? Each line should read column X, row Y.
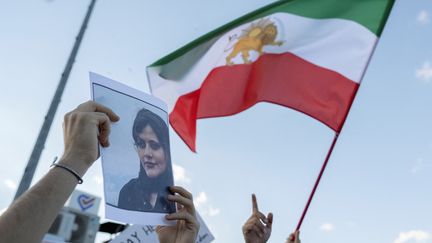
column 30, row 216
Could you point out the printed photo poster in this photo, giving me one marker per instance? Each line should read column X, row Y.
column 136, row 167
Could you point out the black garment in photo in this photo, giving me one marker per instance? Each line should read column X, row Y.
column 135, row 194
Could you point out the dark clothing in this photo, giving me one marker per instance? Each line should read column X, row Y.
column 133, row 197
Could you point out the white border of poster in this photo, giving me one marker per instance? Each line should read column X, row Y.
column 120, row 162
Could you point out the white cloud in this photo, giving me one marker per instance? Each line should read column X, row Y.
column 413, row 236
column 201, row 199
column 2, row 210
column 425, row 72
column 423, row 17
column 213, row 211
column 327, row 227
column 203, row 206
column 180, row 174
column 98, row 179
column 10, row 184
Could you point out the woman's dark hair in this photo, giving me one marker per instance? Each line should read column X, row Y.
column 145, row 117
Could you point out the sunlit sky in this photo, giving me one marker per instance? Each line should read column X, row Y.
column 377, row 187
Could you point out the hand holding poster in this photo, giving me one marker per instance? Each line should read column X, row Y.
column 136, row 166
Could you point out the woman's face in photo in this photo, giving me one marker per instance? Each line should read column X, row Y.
column 151, row 152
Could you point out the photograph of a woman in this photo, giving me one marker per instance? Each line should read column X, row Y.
column 137, row 169
column 148, row 191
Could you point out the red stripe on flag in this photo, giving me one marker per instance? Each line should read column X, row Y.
column 283, row 79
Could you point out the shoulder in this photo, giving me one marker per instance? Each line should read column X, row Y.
column 128, row 195
column 130, row 186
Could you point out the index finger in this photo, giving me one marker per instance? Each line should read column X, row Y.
column 91, row 106
column 180, row 190
column 186, row 198
column 254, row 204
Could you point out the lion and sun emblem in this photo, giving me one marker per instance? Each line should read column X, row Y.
column 254, row 38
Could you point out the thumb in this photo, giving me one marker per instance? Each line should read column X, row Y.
column 269, row 220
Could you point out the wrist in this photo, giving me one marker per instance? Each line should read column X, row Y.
column 77, row 165
column 71, row 171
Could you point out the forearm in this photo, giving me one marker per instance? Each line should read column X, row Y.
column 30, row 216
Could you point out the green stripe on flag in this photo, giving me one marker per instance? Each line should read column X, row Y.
column 372, row 14
column 369, row 13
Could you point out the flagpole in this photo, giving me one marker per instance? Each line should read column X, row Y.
column 43, row 133
column 317, row 180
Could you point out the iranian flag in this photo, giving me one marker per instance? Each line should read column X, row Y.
column 308, row 55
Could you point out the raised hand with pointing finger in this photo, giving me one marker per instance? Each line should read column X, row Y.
column 257, row 228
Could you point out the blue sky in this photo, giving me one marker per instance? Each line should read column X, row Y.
column 376, row 188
